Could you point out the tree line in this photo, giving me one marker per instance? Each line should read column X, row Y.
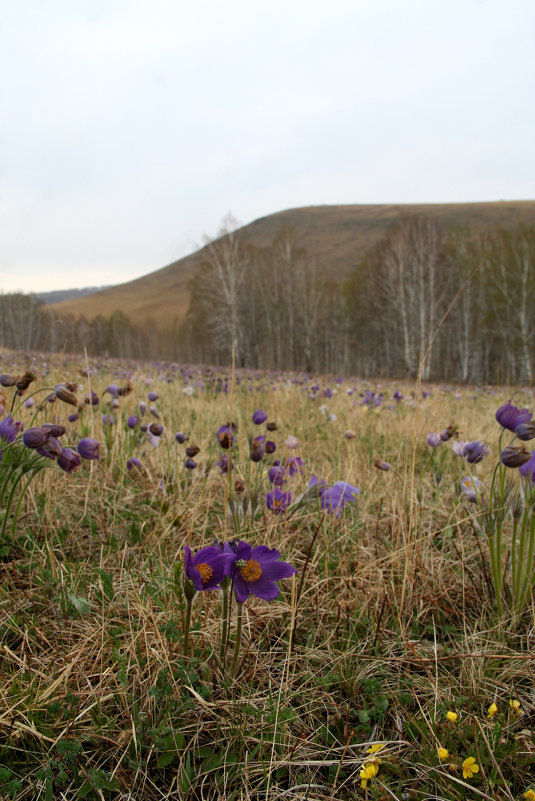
column 453, row 306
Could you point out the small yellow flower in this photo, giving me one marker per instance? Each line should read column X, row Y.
column 373, row 749
column 529, row 794
column 452, row 716
column 443, row 754
column 367, row 772
column 492, row 710
column 470, row 768
column 515, row 707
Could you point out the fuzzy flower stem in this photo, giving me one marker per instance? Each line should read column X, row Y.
column 187, row 623
column 239, row 616
column 225, row 618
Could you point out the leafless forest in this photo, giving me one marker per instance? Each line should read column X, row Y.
column 460, row 305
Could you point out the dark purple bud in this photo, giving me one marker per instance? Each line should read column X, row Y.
column 180, row 437
column 88, row 448
column 72, row 418
column 132, row 421
column 271, row 426
column 152, row 396
column 224, row 463
column 54, row 429
column 277, row 476
column 257, row 449
column 35, row 437
column 69, row 460
column 192, row 450
column 270, row 446
column 156, row 429
column 528, row 469
column 259, row 417
column 142, row 408
column 92, row 400
column 225, row 437
column 8, row 380
column 474, row 452
column 51, row 449
column 133, row 463
column 448, row 433
column 525, row 431
column 515, row 456
column 190, row 464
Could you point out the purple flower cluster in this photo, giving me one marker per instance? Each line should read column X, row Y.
column 333, row 499
column 253, row 570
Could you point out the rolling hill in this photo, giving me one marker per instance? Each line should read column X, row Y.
column 335, row 236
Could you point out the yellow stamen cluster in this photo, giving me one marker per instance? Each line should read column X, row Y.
column 252, row 571
column 205, row 571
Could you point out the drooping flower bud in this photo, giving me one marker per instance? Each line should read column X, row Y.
column 515, row 456
column 35, row 437
column 156, row 429
column 525, row 431
column 24, row 381
column 64, row 394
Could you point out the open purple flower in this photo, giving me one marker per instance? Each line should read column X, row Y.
column 471, row 488
column 277, row 475
column 9, row 429
column 278, row 501
column 510, row 416
column 474, row 452
column 256, row 570
column 333, row 499
column 294, row 465
column 208, row 567
column 528, row 469
column 225, row 463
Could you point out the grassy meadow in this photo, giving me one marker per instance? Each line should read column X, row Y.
column 374, row 673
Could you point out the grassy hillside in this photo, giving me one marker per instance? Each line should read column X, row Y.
column 336, row 236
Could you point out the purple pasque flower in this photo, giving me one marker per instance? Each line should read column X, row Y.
column 69, row 460
column 528, row 469
column 294, row 465
column 190, row 464
column 108, row 419
column 225, row 435
column 333, row 499
column 225, row 463
column 258, row 449
column 208, row 567
column 471, row 487
column 259, row 417
column 181, row 437
column 35, row 437
column 133, row 421
column 270, row 447
column 278, row 501
column 153, row 396
column 9, row 429
column 88, row 448
column 515, row 456
column 132, row 463
column 474, row 452
column 256, row 570
column 434, row 440
column 277, row 475
column 525, row 431
column 510, row 416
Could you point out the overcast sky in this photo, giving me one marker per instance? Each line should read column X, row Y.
column 130, row 128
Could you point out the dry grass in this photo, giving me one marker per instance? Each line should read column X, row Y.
column 389, row 622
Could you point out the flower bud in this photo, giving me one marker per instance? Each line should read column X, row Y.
column 156, row 429
column 8, row 380
column 24, row 381
column 192, row 450
column 271, row 426
column 525, row 431
column 65, row 395
column 69, row 460
column 515, row 456
column 35, row 437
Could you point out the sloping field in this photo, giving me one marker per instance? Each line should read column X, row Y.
column 335, row 236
